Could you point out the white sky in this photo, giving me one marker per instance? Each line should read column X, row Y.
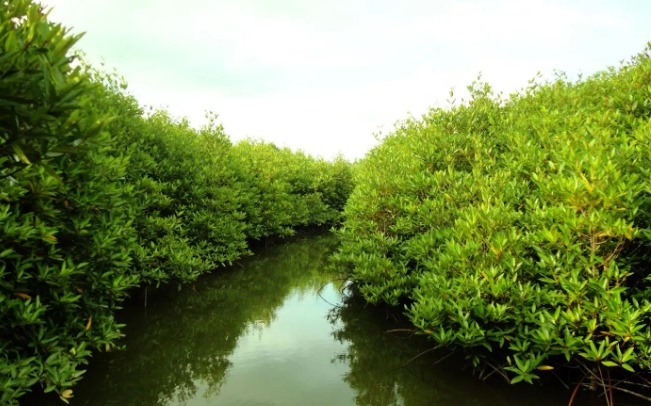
column 325, row 75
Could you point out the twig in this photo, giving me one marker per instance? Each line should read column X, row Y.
column 561, row 381
column 425, row 352
column 402, row 330
column 318, row 292
column 500, row 371
column 443, row 358
column 630, row 392
column 574, row 392
column 646, row 386
column 610, row 387
column 603, row 386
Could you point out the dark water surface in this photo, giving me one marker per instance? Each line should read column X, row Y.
column 274, row 331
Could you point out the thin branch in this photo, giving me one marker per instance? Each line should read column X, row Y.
column 630, row 392
column 500, row 371
column 644, row 385
column 562, row 382
column 603, row 386
column 326, row 300
column 423, row 353
column 610, row 387
column 444, row 358
column 402, row 330
column 575, row 391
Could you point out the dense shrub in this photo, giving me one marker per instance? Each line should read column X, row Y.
column 65, row 227
column 190, row 220
column 96, row 198
column 284, row 189
column 185, row 192
column 516, row 228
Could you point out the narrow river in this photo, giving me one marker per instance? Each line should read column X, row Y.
column 276, row 330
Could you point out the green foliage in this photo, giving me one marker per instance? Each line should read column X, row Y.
column 197, row 329
column 283, row 189
column 96, row 199
column 65, row 230
column 190, row 220
column 516, row 228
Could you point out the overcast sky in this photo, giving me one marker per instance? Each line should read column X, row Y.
column 325, row 75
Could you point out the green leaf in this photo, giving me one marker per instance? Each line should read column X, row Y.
column 19, row 152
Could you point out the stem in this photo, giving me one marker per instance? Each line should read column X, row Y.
column 402, row 330
column 610, row 387
column 496, row 370
column 574, row 392
column 425, row 352
column 630, row 392
column 603, row 386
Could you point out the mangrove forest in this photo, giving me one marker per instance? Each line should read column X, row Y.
column 511, row 231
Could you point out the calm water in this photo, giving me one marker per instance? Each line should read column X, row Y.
column 275, row 330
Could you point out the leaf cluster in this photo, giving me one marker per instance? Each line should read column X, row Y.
column 97, row 197
column 516, row 228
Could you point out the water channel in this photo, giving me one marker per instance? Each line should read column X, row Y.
column 277, row 330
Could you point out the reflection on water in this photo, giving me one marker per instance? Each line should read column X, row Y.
column 250, row 335
column 384, row 367
column 274, row 331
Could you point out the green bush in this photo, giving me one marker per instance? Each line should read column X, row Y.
column 283, row 189
column 97, row 198
column 190, row 219
column 65, row 227
column 516, row 228
column 185, row 191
